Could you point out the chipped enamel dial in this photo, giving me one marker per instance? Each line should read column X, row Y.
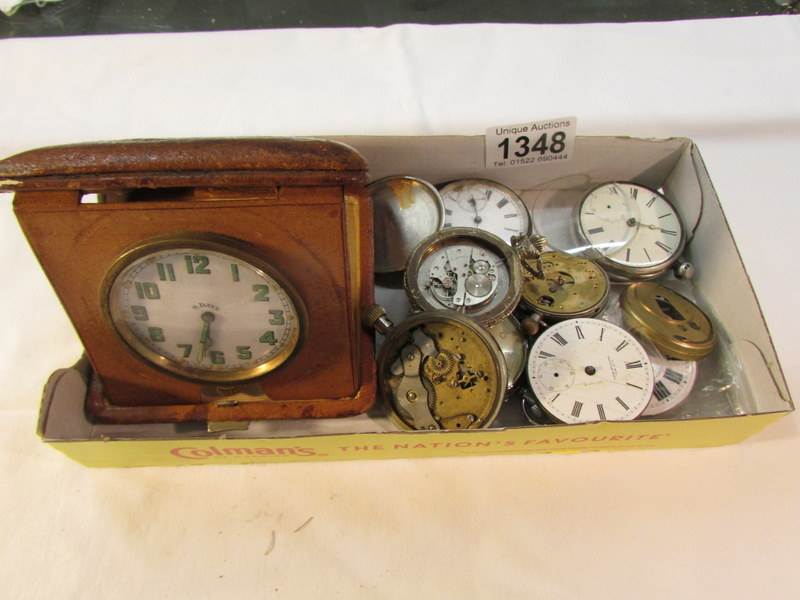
column 584, row 370
column 438, row 370
column 485, row 205
column 203, row 308
column 465, row 270
column 631, row 230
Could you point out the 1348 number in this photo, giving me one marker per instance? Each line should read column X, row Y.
column 556, row 145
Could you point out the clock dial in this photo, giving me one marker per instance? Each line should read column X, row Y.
column 485, row 205
column 204, row 312
column 584, row 370
column 631, row 225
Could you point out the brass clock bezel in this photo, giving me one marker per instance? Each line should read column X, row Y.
column 618, row 271
column 204, row 241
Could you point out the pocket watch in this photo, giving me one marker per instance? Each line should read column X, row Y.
column 558, row 285
column 514, row 346
column 439, row 370
column 584, row 370
column 211, row 279
column 672, row 322
column 486, row 205
column 465, row 270
column 631, row 230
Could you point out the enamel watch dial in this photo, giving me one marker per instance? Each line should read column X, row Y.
column 674, row 380
column 584, row 370
column 630, row 229
column 486, row 205
column 203, row 309
column 439, row 370
column 465, row 270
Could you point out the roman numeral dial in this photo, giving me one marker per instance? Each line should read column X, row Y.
column 635, row 229
column 584, row 370
column 486, row 205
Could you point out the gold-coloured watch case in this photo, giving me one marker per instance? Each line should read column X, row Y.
column 616, row 270
column 204, row 241
column 459, row 336
column 572, row 287
column 432, row 243
column 673, row 323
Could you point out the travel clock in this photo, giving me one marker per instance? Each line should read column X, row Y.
column 209, row 280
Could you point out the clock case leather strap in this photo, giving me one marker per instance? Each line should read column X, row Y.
column 242, row 162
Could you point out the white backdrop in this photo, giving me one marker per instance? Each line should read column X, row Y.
column 660, row 524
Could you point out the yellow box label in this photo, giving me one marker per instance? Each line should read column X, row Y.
column 635, row 435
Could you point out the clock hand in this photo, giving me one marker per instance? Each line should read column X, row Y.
column 205, row 334
column 478, row 218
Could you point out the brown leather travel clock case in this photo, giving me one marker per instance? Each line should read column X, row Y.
column 209, row 280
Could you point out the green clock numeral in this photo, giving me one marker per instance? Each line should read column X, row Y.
column 277, row 317
column 148, row 291
column 165, row 271
column 268, row 338
column 217, row 357
column 140, row 313
column 235, row 272
column 262, row 292
column 243, row 352
column 197, row 264
column 156, row 334
column 187, row 349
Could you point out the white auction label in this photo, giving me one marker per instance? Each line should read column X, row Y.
column 532, row 143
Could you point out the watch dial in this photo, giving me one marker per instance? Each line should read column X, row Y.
column 631, row 225
column 485, row 205
column 674, row 380
column 204, row 313
column 585, row 370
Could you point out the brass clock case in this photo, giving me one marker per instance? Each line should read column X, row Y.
column 675, row 324
column 568, row 287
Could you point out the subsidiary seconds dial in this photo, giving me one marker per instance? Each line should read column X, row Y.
column 632, row 230
column 585, row 370
column 204, row 309
column 486, row 205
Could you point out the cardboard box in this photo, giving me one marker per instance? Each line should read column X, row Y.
column 752, row 392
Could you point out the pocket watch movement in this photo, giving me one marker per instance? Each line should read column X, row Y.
column 584, row 370
column 631, row 230
column 466, row 270
column 486, row 205
column 672, row 322
column 439, row 370
column 558, row 285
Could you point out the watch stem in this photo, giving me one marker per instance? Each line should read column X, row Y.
column 532, row 325
column 375, row 316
